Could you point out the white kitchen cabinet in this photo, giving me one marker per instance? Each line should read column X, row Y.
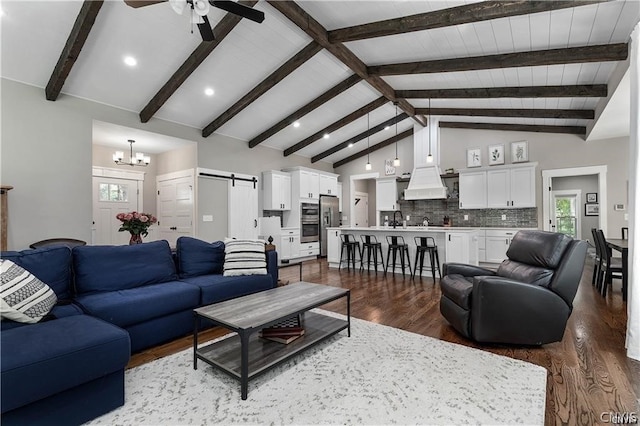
column 339, row 196
column 473, row 190
column 386, row 194
column 309, row 249
column 328, row 184
column 462, row 247
column 289, row 244
column 511, row 187
column 309, row 185
column 496, row 244
column 482, row 238
column 333, row 246
column 276, row 190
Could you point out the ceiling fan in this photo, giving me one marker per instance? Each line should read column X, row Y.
column 199, row 10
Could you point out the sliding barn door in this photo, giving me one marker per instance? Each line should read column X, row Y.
column 243, row 209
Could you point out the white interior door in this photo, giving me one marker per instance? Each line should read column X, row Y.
column 175, row 208
column 243, row 209
column 361, row 206
column 566, row 217
column 110, row 197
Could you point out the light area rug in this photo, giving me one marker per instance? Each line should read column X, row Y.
column 379, row 375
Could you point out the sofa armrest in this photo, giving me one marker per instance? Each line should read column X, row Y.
column 508, row 311
column 272, row 266
column 465, row 270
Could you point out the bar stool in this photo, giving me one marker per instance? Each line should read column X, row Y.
column 427, row 245
column 353, row 246
column 397, row 244
column 371, row 244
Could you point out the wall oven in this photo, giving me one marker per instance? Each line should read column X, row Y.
column 309, row 222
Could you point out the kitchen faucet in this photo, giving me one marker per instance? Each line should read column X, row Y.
column 394, row 218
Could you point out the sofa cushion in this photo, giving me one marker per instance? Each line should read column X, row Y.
column 216, row 288
column 58, row 311
column 23, row 297
column 109, row 268
column 127, row 307
column 51, row 265
column 44, row 359
column 197, row 257
column 244, row 257
column 525, row 273
column 538, row 248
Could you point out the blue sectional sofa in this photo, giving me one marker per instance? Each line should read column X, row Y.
column 112, row 301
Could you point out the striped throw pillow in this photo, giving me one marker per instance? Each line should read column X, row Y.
column 23, row 297
column 244, row 257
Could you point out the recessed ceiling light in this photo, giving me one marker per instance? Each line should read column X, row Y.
column 326, row 136
column 209, row 91
column 387, row 127
column 131, row 61
column 350, row 145
column 2, row 12
column 296, row 124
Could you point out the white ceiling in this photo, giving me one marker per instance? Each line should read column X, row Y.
column 161, row 41
column 109, row 134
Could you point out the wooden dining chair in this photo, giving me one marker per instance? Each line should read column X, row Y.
column 597, row 261
column 625, row 232
column 611, row 267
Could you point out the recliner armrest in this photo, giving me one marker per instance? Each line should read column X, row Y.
column 465, row 270
column 508, row 311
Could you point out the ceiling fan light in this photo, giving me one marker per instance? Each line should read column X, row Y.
column 201, row 7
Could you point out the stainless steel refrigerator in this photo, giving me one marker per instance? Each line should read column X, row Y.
column 329, row 218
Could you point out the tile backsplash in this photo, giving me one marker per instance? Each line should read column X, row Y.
column 436, row 210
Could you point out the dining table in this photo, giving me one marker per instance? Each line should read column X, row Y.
column 622, row 246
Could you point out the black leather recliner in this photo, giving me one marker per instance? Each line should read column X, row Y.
column 529, row 298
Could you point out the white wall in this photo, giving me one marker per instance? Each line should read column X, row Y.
column 47, row 158
column 551, row 151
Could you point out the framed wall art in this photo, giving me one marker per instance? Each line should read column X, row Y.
column 592, row 209
column 389, row 168
column 592, row 197
column 519, row 152
column 474, row 157
column 496, row 154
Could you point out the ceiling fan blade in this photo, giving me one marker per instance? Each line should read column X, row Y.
column 239, row 9
column 141, row 3
column 205, row 30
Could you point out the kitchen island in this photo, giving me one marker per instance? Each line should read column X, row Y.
column 454, row 244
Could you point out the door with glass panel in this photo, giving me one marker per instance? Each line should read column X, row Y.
column 110, row 197
column 567, row 215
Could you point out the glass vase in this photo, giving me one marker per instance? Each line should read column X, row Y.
column 135, row 239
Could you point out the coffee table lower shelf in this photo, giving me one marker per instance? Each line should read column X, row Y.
column 265, row 354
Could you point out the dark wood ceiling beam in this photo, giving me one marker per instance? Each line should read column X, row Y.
column 586, row 114
column 397, row 138
column 570, row 55
column 197, row 57
column 575, row 130
column 391, row 140
column 72, row 48
column 380, row 127
column 350, row 118
column 313, row 29
column 577, row 91
column 274, row 78
column 320, row 100
column 475, row 12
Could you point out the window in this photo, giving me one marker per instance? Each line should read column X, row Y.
column 114, row 192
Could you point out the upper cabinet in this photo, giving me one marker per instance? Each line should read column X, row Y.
column 277, row 190
column 386, row 194
column 511, row 187
column 307, row 184
column 502, row 187
column 329, row 184
column 473, row 190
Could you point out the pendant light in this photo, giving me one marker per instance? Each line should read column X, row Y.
column 368, row 165
column 396, row 162
column 429, row 157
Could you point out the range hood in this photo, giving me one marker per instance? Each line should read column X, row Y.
column 425, row 184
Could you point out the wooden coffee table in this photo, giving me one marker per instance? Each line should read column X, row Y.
column 245, row 355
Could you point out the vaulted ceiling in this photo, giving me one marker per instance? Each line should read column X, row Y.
column 346, row 69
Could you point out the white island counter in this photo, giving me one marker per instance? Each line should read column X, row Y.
column 454, row 244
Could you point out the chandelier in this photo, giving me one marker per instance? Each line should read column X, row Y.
column 138, row 160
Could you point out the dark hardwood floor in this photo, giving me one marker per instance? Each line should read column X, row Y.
column 588, row 371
